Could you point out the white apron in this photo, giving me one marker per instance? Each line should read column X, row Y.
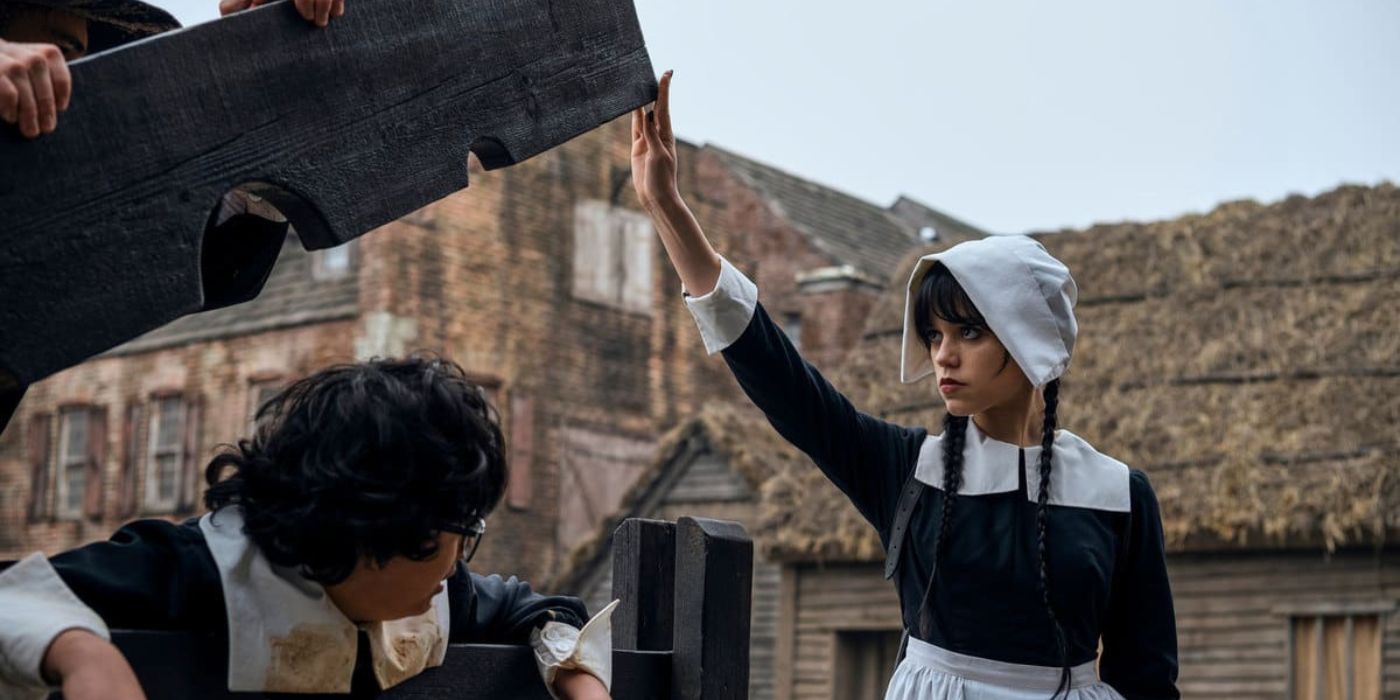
column 933, row 673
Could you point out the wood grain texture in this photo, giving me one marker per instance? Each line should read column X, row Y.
column 712, row 575
column 714, row 589
column 644, row 574
column 182, row 665
column 344, row 128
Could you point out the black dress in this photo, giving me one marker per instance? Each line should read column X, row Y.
column 1106, row 556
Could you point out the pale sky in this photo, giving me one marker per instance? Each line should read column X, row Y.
column 1034, row 115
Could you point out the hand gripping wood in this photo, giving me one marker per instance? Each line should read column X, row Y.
column 345, row 128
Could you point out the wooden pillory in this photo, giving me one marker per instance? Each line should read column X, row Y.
column 108, row 223
column 680, row 632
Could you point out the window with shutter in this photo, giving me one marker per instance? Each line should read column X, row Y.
column 94, row 468
column 612, row 256
column 40, row 497
column 634, row 231
column 163, row 453
column 188, row 482
column 594, row 273
column 70, row 475
column 131, row 460
column 1336, row 656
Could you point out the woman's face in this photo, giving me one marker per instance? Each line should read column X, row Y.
column 974, row 371
column 401, row 588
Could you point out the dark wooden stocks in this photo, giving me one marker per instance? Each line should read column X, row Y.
column 680, row 633
column 344, row 128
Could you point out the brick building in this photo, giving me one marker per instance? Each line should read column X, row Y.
column 543, row 280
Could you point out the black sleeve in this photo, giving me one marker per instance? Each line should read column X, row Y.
column 867, row 458
column 151, row 574
column 496, row 610
column 1139, row 640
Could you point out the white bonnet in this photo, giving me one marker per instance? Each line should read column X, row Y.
column 1026, row 295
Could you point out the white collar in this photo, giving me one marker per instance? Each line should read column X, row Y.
column 1080, row 476
column 286, row 636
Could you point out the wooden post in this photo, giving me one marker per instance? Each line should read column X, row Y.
column 714, row 592
column 644, row 576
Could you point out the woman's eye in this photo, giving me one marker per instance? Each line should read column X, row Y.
column 971, row 333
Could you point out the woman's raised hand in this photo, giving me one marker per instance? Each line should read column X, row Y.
column 654, row 151
column 654, row 177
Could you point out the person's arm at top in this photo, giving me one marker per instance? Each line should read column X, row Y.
column 867, row 458
column 36, row 85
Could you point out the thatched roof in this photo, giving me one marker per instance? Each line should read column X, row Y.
column 1247, row 359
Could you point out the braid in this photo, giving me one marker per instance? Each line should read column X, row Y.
column 954, row 435
column 1042, row 517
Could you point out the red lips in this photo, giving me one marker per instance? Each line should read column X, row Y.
column 948, row 385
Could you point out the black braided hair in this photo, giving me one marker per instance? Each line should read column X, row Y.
column 940, row 296
column 1042, row 522
column 954, row 436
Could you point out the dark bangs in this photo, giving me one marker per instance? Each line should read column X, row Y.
column 940, row 296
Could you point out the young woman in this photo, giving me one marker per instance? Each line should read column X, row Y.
column 1030, row 546
column 334, row 555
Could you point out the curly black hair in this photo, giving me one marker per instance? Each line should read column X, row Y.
column 368, row 460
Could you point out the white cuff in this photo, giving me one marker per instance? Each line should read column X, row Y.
column 558, row 645
column 35, row 606
column 725, row 312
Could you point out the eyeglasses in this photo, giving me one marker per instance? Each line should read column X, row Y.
column 471, row 537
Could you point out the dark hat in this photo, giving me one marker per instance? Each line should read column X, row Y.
column 110, row 22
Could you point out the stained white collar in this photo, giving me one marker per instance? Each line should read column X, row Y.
column 1080, row 476
column 286, row 636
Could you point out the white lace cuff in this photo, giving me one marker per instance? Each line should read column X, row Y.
column 726, row 310
column 35, row 606
column 561, row 646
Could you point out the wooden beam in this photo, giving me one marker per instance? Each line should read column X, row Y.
column 181, row 665
column 644, row 575
column 345, row 128
column 714, row 598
